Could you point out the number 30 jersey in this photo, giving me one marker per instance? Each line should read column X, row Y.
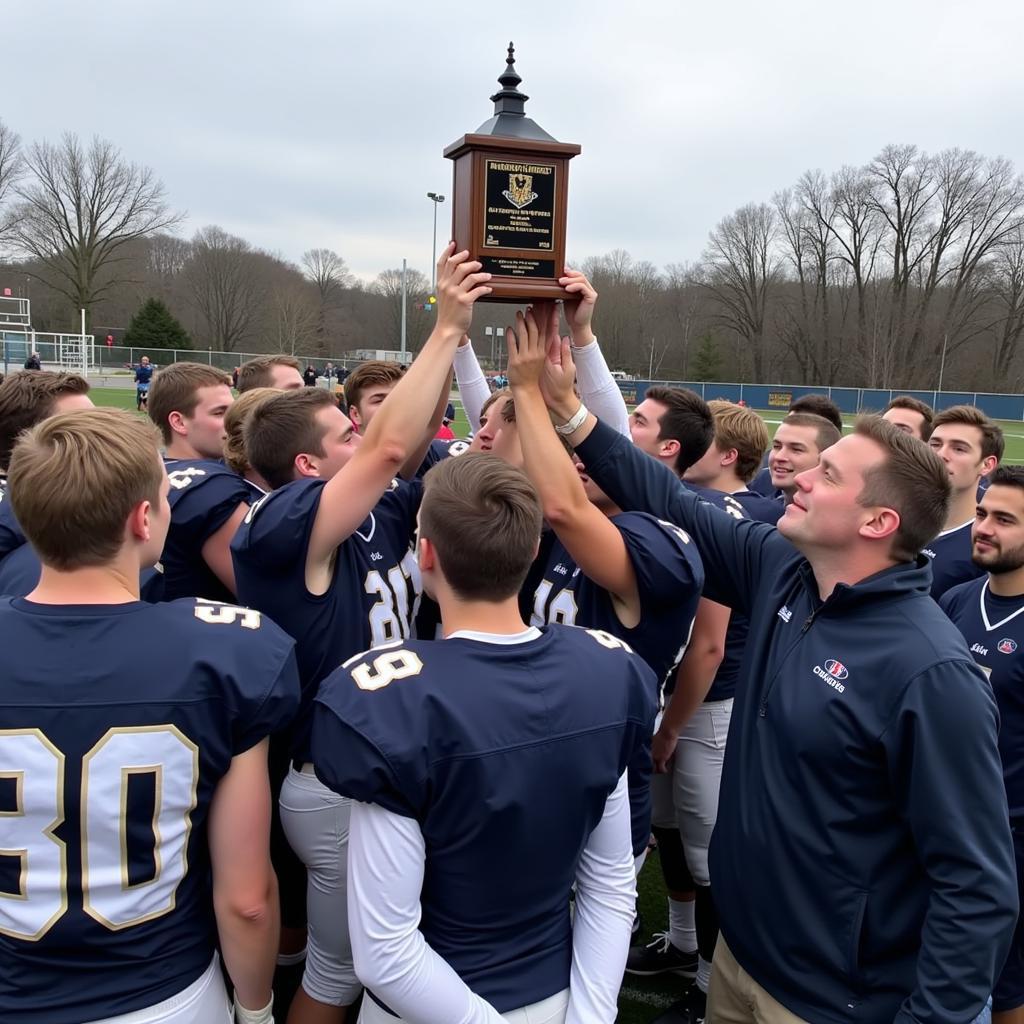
column 117, row 722
column 373, row 592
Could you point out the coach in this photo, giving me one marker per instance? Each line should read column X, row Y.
column 862, row 862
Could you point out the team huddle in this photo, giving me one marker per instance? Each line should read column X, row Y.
column 306, row 701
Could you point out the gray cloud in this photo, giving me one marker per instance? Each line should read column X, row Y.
column 322, row 124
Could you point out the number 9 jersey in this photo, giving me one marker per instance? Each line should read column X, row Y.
column 117, row 722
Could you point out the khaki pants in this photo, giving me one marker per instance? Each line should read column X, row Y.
column 735, row 998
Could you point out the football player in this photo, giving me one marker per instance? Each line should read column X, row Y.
column 796, row 447
column 134, row 802
column 497, row 753
column 971, row 445
column 988, row 613
column 26, row 399
column 208, row 502
column 278, row 371
column 910, row 415
column 234, row 440
column 327, row 554
column 621, row 572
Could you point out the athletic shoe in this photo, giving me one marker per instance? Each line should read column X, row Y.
column 659, row 956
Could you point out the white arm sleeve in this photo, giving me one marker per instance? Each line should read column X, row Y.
column 598, row 390
column 386, row 857
column 473, row 387
column 605, row 894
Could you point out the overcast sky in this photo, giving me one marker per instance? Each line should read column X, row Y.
column 308, row 124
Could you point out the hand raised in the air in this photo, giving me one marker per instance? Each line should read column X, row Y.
column 558, row 383
column 527, row 350
column 579, row 310
column 460, row 282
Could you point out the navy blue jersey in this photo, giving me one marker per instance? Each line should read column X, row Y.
column 950, row 555
column 11, row 534
column 143, row 375
column 118, row 723
column 254, row 490
column 759, row 507
column 505, row 755
column 669, row 578
column 440, row 450
column 762, row 483
column 372, row 596
column 993, row 627
column 204, row 495
column 765, row 510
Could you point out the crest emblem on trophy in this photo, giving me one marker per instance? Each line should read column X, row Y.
column 520, row 190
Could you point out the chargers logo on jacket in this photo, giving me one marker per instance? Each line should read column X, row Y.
column 1007, row 646
column 832, row 672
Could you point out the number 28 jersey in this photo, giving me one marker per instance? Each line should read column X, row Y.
column 373, row 592
column 117, row 722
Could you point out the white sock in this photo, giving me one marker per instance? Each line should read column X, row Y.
column 682, row 929
column 703, row 974
column 288, row 959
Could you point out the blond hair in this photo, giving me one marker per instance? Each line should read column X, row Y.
column 76, row 477
column 740, row 428
column 234, row 426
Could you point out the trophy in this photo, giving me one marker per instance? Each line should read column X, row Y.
column 510, row 187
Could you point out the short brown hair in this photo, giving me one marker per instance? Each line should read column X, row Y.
column 914, row 405
column 234, row 426
column 176, row 389
column 912, row 479
column 372, row 374
column 686, row 419
column 992, row 442
column 484, row 518
column 827, row 432
column 259, row 372
column 820, row 405
column 740, row 428
column 28, row 397
column 75, row 478
column 282, row 427
column 508, row 410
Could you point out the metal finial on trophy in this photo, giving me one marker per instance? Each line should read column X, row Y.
column 509, row 100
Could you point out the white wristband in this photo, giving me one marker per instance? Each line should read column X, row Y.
column 264, row 1016
column 575, row 423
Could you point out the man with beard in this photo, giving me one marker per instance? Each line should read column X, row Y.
column 988, row 613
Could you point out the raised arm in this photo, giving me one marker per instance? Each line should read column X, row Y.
column 400, row 424
column 473, row 388
column 598, row 389
column 736, row 553
column 589, row 536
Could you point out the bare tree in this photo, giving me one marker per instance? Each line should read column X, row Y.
column 224, row 279
column 328, row 271
column 78, row 211
column 1008, row 288
column 388, row 284
column 11, row 164
column 294, row 319
column 741, row 272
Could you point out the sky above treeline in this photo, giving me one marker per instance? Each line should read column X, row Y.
column 321, row 124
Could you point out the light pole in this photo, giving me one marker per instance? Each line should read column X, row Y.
column 436, row 198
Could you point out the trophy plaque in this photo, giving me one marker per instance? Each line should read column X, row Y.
column 509, row 197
